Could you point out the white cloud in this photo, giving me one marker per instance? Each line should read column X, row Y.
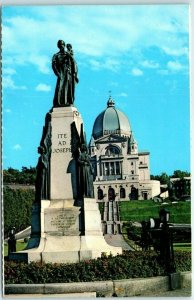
column 7, row 110
column 17, row 147
column 136, row 72
column 149, row 64
column 95, row 32
column 41, row 87
column 110, row 64
column 175, row 66
column 95, row 64
column 123, row 94
column 8, row 83
column 9, row 71
column 113, row 84
column 41, row 61
column 163, row 72
column 179, row 51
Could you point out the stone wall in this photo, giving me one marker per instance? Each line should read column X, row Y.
column 118, row 288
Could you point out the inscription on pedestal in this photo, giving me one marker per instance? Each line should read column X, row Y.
column 63, row 221
column 62, row 143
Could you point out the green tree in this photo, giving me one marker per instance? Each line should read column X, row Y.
column 180, row 174
column 25, row 176
column 163, row 178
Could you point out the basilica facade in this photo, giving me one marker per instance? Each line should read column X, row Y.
column 121, row 171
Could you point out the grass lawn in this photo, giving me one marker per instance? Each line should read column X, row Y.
column 182, row 246
column 144, row 209
column 20, row 245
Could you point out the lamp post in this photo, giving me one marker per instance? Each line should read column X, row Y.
column 164, row 215
column 167, row 251
column 158, row 232
column 11, row 241
column 145, row 236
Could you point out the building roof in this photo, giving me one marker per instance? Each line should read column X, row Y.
column 111, row 120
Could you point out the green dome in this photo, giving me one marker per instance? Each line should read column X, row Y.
column 111, row 121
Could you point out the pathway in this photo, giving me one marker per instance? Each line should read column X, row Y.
column 184, row 292
column 117, row 240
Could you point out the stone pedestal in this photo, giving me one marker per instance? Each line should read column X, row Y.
column 65, row 229
column 63, row 184
column 61, row 241
column 93, row 243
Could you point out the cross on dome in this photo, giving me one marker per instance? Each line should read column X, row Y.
column 110, row 102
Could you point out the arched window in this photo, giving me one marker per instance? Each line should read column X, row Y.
column 100, row 194
column 122, row 193
column 134, row 193
column 112, row 150
column 111, row 194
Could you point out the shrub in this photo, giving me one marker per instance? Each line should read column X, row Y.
column 17, row 208
column 128, row 265
column 183, row 261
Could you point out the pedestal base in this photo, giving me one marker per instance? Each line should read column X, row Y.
column 58, row 247
column 66, row 250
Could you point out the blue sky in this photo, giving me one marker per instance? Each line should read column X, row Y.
column 140, row 53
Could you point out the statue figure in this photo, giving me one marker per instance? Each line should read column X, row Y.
column 42, row 176
column 85, row 171
column 42, row 183
column 70, row 49
column 65, row 68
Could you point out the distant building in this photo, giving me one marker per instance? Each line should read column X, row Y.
column 122, row 172
column 180, row 187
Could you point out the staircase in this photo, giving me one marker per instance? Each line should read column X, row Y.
column 111, row 218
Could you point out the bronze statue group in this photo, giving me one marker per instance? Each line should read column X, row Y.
column 65, row 68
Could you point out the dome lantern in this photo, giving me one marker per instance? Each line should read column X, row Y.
column 110, row 102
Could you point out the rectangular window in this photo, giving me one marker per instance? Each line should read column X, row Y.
column 117, row 168
column 107, row 169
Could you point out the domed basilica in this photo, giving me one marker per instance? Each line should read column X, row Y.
column 122, row 172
